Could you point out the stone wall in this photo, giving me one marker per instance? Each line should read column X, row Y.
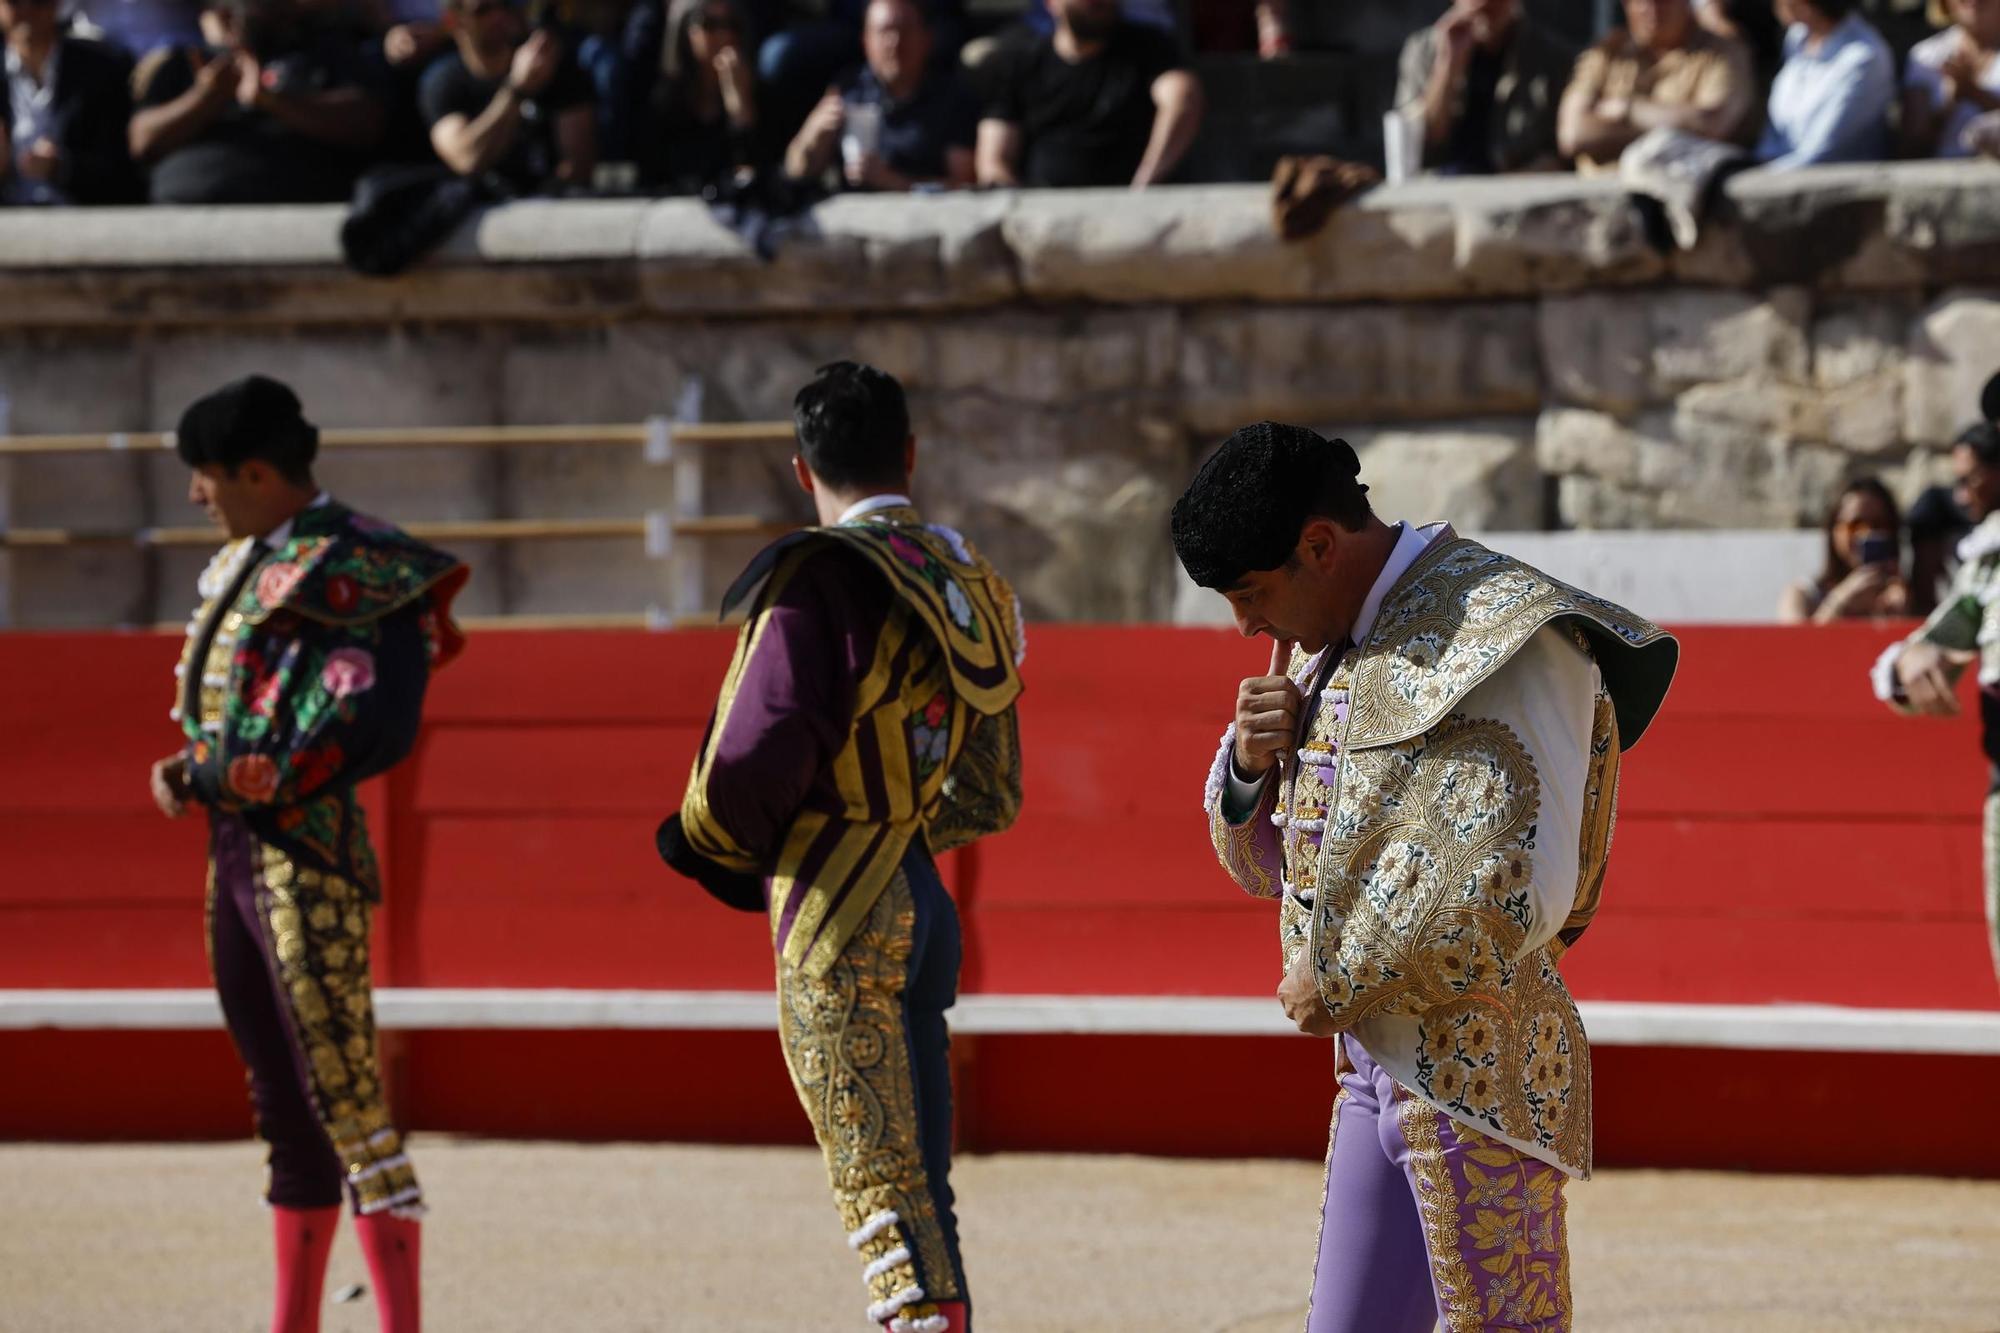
column 1511, row 354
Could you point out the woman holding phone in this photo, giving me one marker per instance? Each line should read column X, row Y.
column 1863, row 574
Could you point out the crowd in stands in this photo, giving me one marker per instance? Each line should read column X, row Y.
column 274, row 101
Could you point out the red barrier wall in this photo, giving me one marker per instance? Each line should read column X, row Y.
column 1782, row 838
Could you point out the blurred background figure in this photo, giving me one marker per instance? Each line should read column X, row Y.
column 1102, row 100
column 1482, row 86
column 1662, row 70
column 63, row 113
column 1952, row 79
column 695, row 120
column 1831, row 99
column 1863, row 574
column 898, row 121
column 510, row 104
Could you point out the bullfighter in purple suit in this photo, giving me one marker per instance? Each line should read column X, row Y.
column 1425, row 780
column 866, row 724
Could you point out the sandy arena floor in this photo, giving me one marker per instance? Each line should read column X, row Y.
column 547, row 1238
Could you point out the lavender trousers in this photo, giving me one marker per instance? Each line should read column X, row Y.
column 1429, row 1223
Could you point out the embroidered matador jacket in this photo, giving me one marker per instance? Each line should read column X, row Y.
column 1440, row 838
column 870, row 703
column 304, row 673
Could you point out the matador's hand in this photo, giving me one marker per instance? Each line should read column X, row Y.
column 1267, row 715
column 1299, row 994
column 170, row 786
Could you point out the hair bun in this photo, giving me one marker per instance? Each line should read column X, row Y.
column 1345, row 458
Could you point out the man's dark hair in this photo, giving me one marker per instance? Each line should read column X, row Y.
column 852, row 423
column 1247, row 505
column 1834, row 9
column 1984, row 441
column 255, row 417
column 1989, row 400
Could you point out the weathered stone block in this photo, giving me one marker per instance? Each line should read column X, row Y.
column 1479, row 475
column 1622, row 351
column 1357, row 363
column 1954, row 347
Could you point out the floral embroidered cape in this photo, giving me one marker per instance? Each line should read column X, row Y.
column 311, row 678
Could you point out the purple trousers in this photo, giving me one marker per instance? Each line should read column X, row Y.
column 288, row 946
column 1428, row 1222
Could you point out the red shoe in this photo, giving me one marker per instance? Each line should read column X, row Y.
column 394, row 1248
column 304, row 1241
column 931, row 1317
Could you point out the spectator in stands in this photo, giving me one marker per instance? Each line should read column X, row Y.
column 268, row 113
column 1862, row 576
column 1830, row 101
column 701, row 124
column 1482, row 85
column 921, row 119
column 137, row 27
column 1752, row 23
column 1661, row 70
column 1100, row 101
column 63, row 116
column 1952, row 79
column 510, row 105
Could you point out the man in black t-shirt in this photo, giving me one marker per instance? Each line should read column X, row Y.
column 1099, row 101
column 274, row 115
column 511, row 105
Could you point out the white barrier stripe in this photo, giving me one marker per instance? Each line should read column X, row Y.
column 1786, row 1027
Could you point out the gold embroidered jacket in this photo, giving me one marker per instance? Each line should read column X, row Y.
column 1442, row 836
column 870, row 701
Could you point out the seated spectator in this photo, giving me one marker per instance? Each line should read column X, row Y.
column 1752, row 23
column 510, row 105
column 63, row 118
column 1099, row 101
column 921, row 118
column 1952, row 79
column 700, row 125
column 266, row 114
column 137, row 27
column 1661, row 70
column 1484, row 84
column 1830, row 101
column 1863, row 575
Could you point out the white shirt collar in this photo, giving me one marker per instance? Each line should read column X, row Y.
column 278, row 536
column 1411, row 542
column 874, row 504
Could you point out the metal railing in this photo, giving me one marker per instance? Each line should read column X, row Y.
column 674, row 535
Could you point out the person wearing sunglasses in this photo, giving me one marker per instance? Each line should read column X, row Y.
column 509, row 104
column 62, row 114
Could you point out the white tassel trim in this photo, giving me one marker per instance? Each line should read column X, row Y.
column 873, row 1227
column 1218, row 772
column 882, row 1310
column 899, row 1255
column 406, row 1204
column 386, row 1164
column 931, row 1323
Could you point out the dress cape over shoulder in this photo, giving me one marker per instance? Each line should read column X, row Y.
column 966, row 605
column 1461, row 612
column 343, row 568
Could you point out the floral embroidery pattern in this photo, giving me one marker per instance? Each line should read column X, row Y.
column 850, row 1063
column 1459, row 616
column 293, row 708
column 1494, row 1225
column 930, row 733
column 957, row 605
column 1424, row 906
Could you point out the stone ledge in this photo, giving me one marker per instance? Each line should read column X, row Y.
column 1835, row 229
